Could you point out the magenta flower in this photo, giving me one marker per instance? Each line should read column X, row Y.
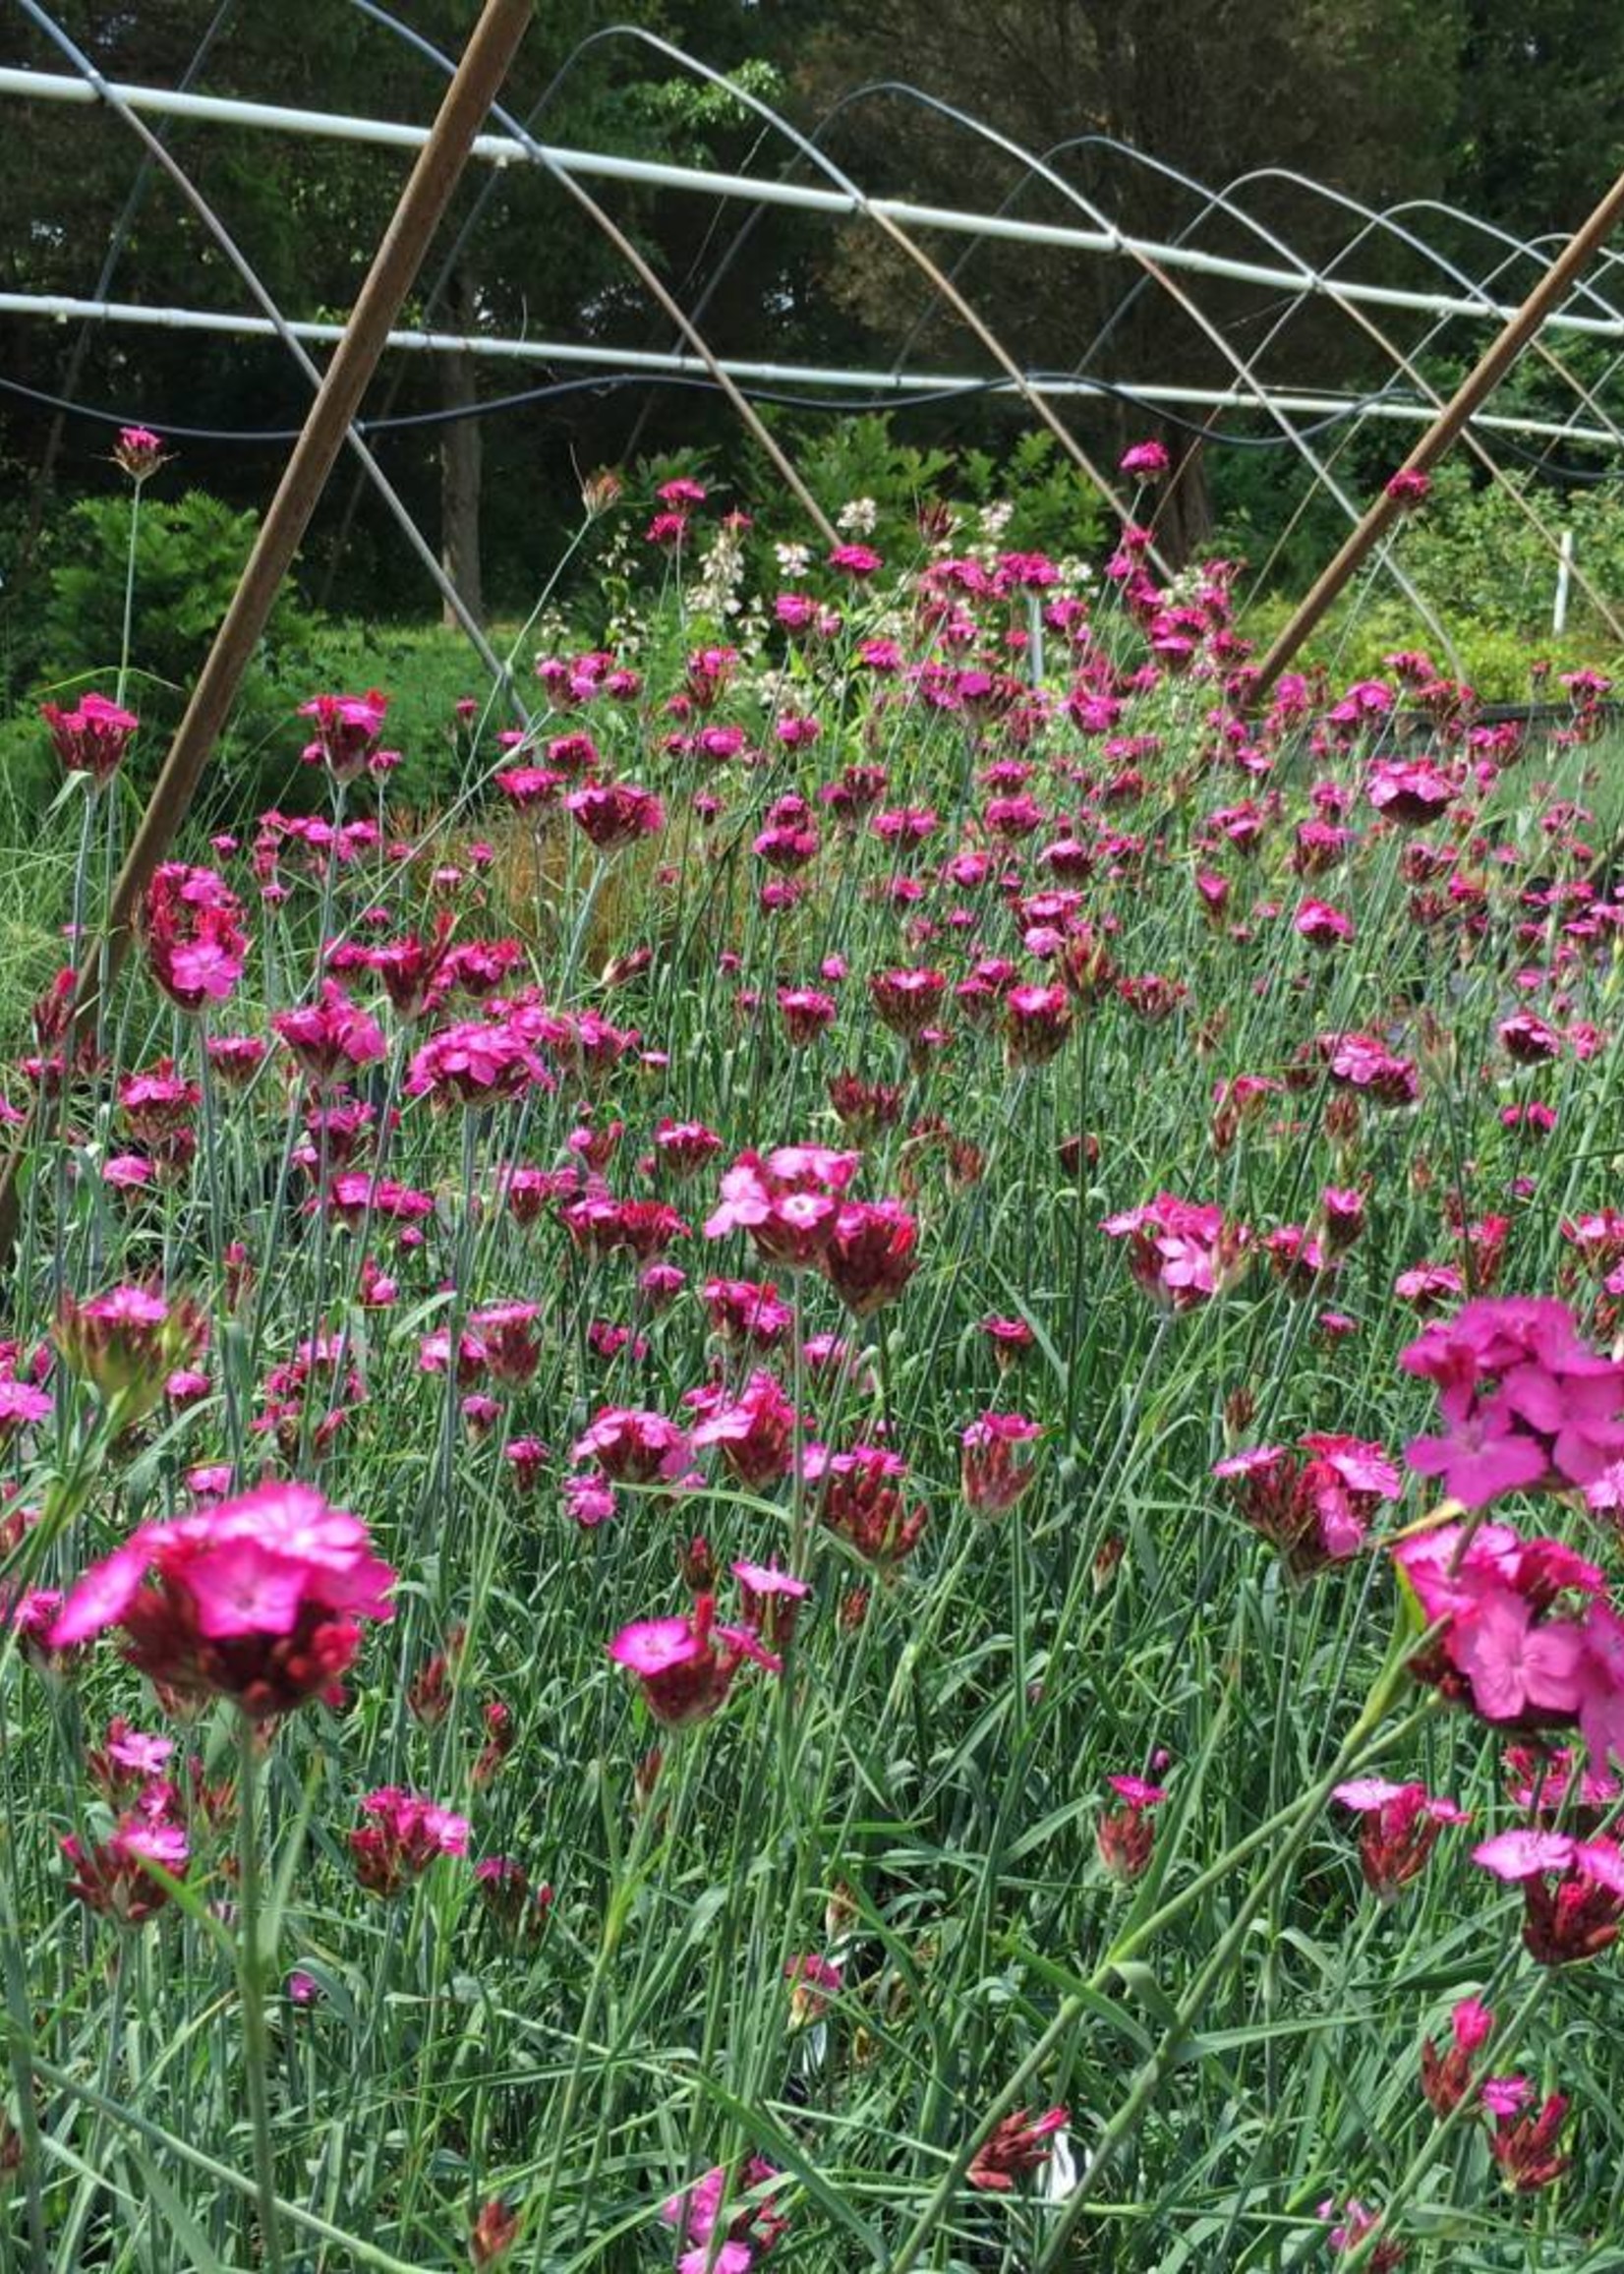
column 747, row 1310
column 1516, row 1668
column 590, row 1500
column 1018, row 2144
column 770, row 1599
column 1412, row 791
column 993, row 1476
column 633, row 1447
column 788, row 1203
column 684, row 1677
column 602, row 1227
column 1573, row 1891
column 1446, row 2077
column 257, row 1598
column 1037, row 1021
column 1524, row 2147
column 1528, row 1402
column 1125, row 1837
column 127, row 1342
column 861, row 1499
column 1407, row 488
column 685, row 1146
column 755, row 1431
column 1526, row 1852
column 1357, row 2221
column 1401, row 1825
column 1137, row 1792
column 19, row 1404
column 477, row 1063
column 139, row 452
column 92, row 738
column 753, row 2226
column 615, row 814
column 348, row 728
column 330, row 1040
column 1487, row 1456
column 1182, row 1253
column 110, row 1876
column 869, row 1253
column 907, row 1000
column 406, row 1834
column 1322, row 925
column 191, row 927
column 1360, row 1063
column 806, row 1011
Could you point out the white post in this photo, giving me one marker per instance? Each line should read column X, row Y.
column 1564, row 582
column 1034, row 637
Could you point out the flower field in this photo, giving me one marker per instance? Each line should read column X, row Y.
column 834, row 1484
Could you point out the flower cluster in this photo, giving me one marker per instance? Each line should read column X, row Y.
column 795, row 1204
column 1527, row 1403
column 1180, row 1252
column 92, row 738
column 192, row 929
column 686, row 1666
column 729, row 2220
column 404, row 1834
column 1314, row 1512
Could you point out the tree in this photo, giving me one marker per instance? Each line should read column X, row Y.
column 1540, row 114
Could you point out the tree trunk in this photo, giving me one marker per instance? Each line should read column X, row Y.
column 1183, row 517
column 461, row 461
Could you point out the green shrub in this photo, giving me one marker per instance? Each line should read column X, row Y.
column 189, row 555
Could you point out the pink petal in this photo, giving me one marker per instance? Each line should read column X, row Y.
column 1602, row 1863
column 103, row 1595
column 1524, row 1853
column 242, row 1588
column 1366, row 1793
column 652, row 1645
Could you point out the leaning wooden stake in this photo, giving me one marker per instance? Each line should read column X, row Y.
column 395, row 265
column 1479, row 384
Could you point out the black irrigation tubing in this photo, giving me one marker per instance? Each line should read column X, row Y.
column 1420, row 725
column 603, row 383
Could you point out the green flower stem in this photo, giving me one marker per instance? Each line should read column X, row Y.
column 251, row 1987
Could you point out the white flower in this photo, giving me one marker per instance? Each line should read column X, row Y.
column 857, row 517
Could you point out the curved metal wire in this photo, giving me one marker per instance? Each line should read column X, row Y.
column 1322, row 277
column 866, row 209
column 1154, row 273
column 1373, row 222
column 1536, row 247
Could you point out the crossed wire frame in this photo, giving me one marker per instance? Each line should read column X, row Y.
column 1315, row 425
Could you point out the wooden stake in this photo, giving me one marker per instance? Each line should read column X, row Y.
column 1473, row 390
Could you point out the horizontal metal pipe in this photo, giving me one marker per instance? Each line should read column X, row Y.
column 1309, row 403
column 499, row 149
